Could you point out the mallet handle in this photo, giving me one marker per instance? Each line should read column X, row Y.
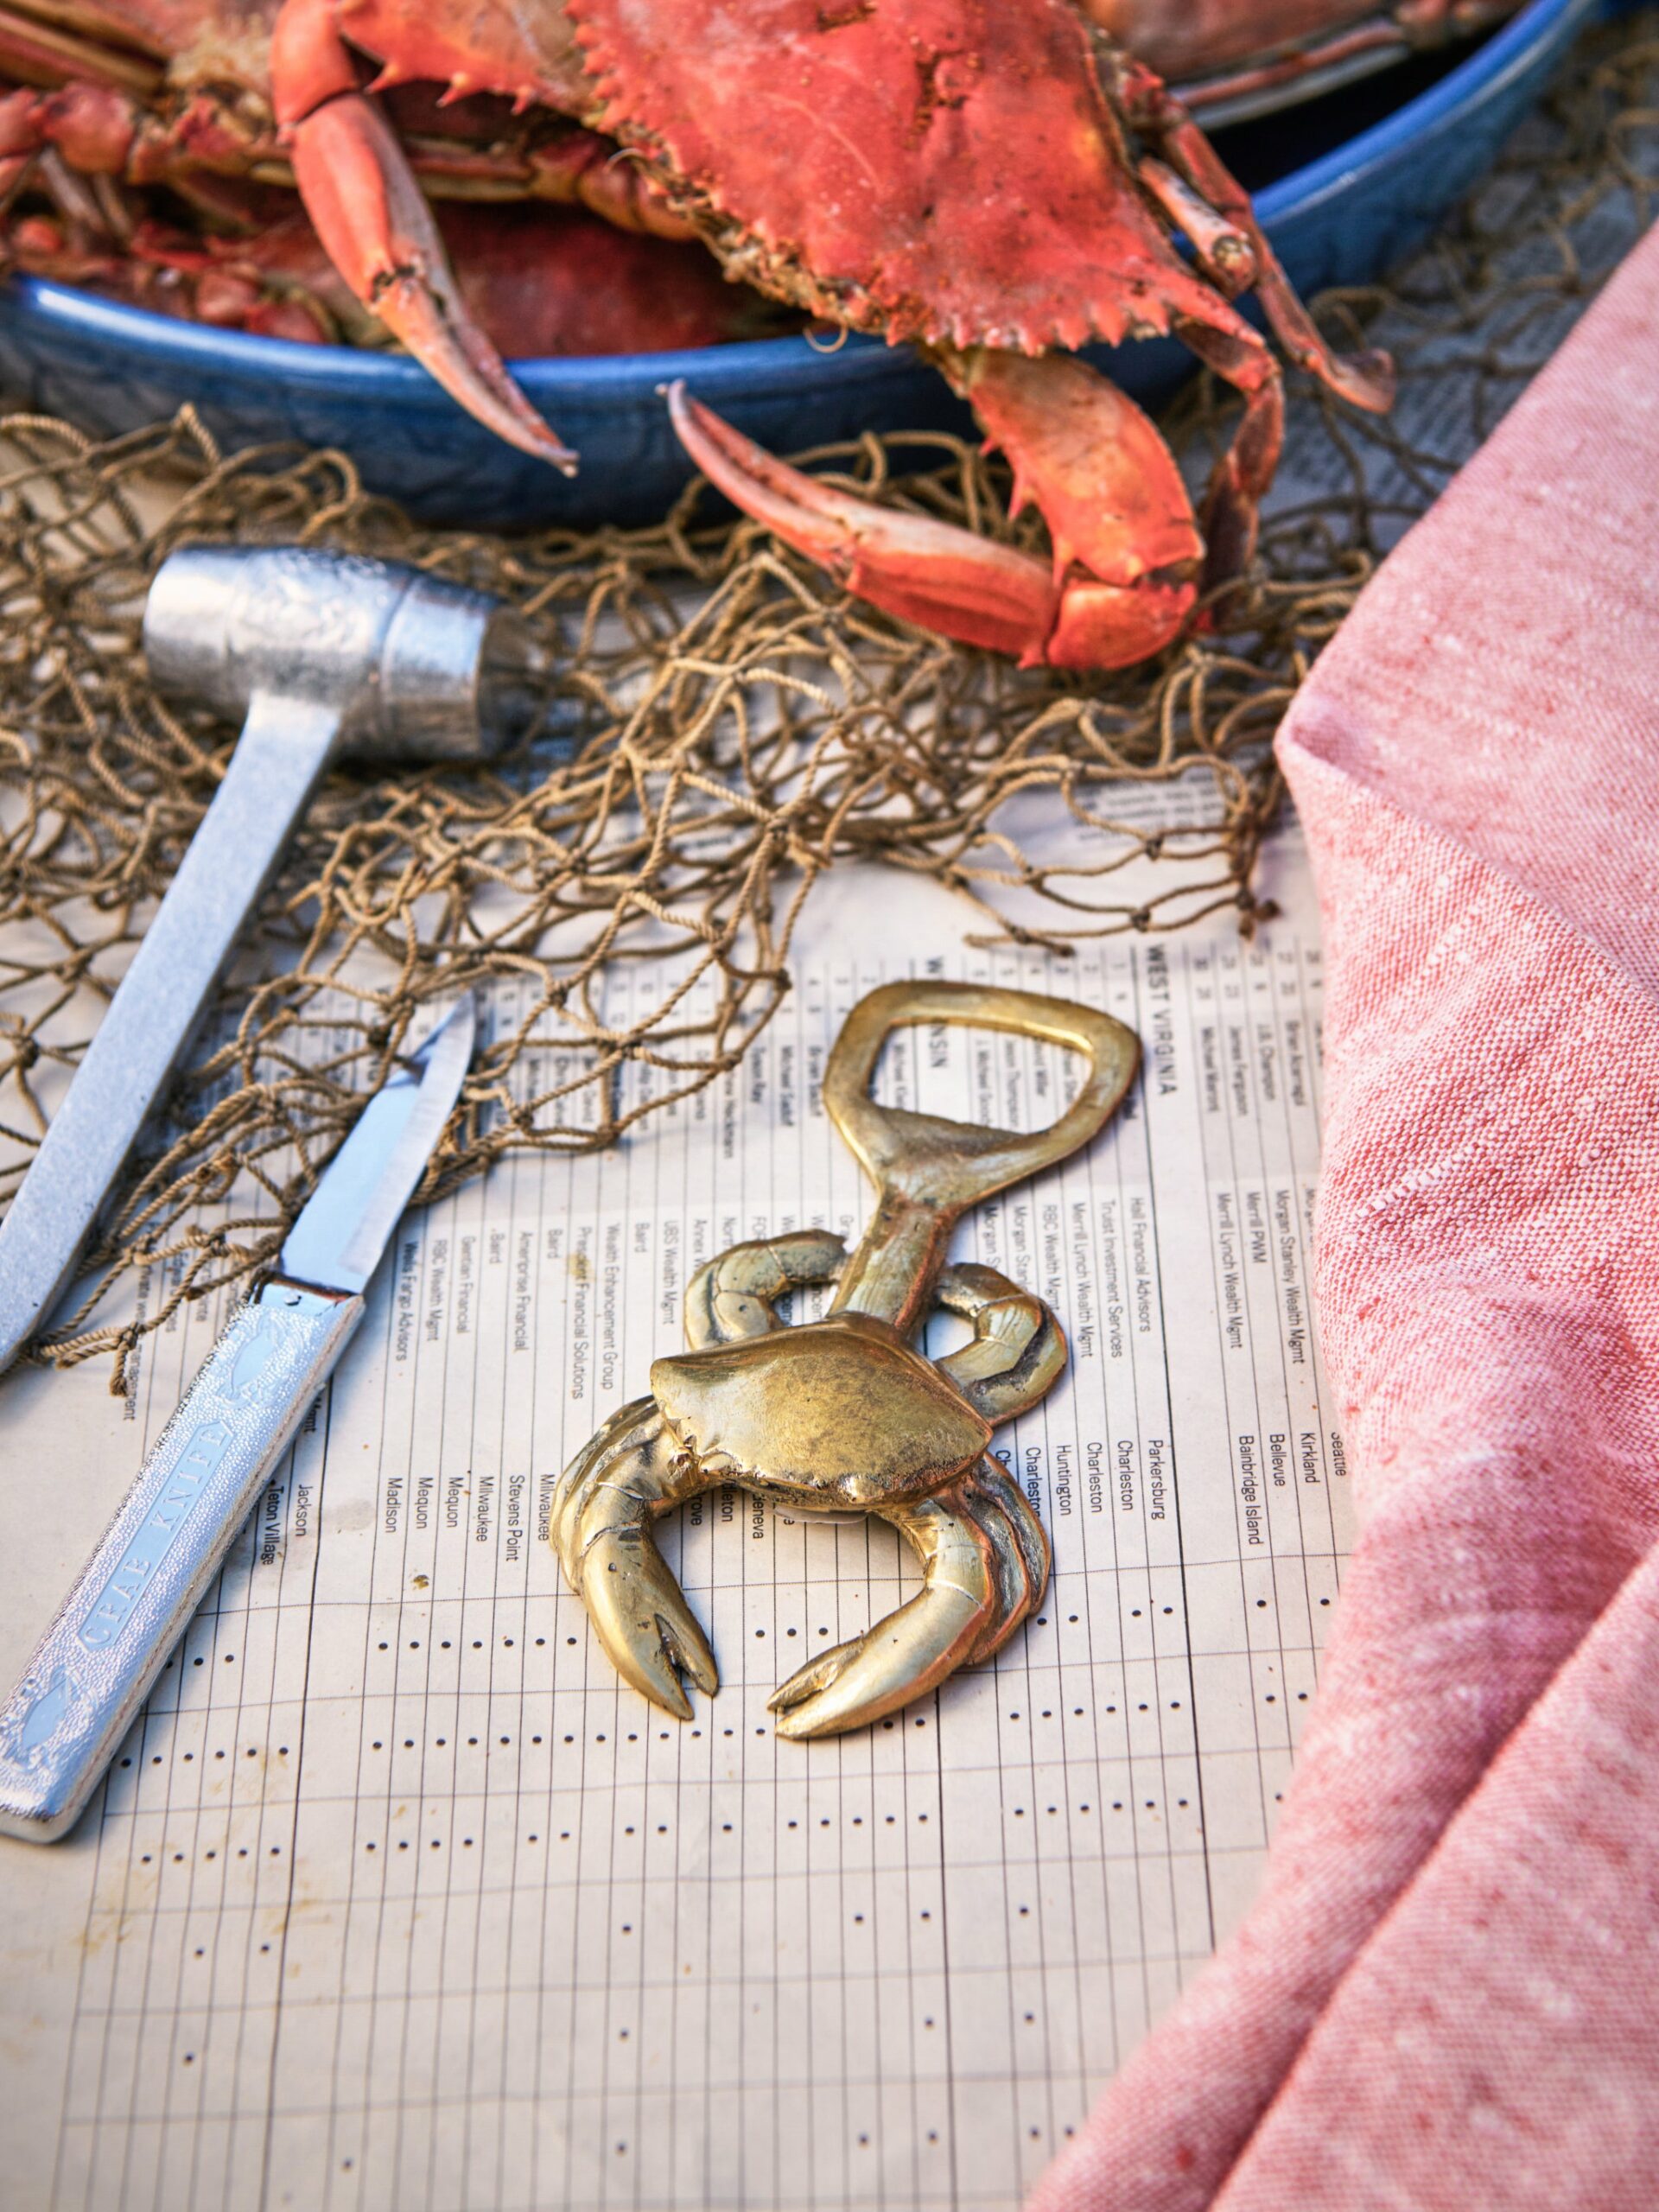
column 283, row 750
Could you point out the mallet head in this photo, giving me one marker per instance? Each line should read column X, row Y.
column 417, row 668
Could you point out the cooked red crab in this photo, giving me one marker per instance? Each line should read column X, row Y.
column 113, row 98
column 987, row 178
column 990, row 179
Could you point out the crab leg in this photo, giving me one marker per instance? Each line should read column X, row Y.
column 1019, row 1545
column 603, row 1506
column 20, row 144
column 1223, row 250
column 985, row 1564
column 960, row 1605
column 922, row 570
column 1126, row 547
column 1364, row 380
column 733, row 1296
column 1017, row 1351
column 360, row 193
column 34, row 53
column 1236, row 51
column 1245, row 472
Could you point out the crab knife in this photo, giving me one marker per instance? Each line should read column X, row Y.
column 133, row 1601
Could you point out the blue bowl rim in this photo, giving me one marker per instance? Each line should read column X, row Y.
column 754, row 364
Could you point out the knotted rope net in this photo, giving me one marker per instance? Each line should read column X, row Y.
column 723, row 728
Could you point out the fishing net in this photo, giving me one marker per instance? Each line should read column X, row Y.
column 722, row 728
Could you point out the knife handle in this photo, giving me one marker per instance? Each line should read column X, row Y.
column 94, row 1666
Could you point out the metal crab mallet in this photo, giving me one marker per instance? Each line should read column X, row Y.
column 324, row 654
column 843, row 1412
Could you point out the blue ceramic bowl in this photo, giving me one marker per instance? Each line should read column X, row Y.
column 1336, row 217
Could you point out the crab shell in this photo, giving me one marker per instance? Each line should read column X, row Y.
column 836, row 1413
column 945, row 171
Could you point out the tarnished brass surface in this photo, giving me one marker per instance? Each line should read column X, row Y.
column 844, row 1411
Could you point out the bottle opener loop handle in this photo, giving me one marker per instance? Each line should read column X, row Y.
column 954, row 1165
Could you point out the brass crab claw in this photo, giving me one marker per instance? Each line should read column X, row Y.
column 843, row 1412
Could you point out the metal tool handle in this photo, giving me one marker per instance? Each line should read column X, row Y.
column 93, row 1667
column 283, row 750
column 928, row 1171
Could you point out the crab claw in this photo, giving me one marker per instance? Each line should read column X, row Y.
column 1127, row 550
column 901, row 1658
column 924, row 571
column 600, row 1520
column 640, row 1616
column 377, row 229
column 985, row 1564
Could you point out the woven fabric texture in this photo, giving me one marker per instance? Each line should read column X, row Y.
column 1446, row 1996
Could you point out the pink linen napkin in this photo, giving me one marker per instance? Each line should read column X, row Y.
column 1447, row 1994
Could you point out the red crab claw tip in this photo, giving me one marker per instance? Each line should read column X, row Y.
column 377, row 231
column 1368, row 380
column 1118, row 626
column 1090, row 461
column 926, row 572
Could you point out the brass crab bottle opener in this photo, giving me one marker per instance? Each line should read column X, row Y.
column 842, row 1414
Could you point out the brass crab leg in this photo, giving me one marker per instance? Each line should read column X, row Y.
column 603, row 1506
column 900, row 1658
column 985, row 1562
column 732, row 1296
column 1020, row 1545
column 1017, row 1353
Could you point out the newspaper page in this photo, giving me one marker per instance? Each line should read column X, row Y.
column 396, row 1901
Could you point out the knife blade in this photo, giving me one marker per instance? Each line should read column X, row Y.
column 93, row 1669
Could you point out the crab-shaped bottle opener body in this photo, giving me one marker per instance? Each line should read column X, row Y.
column 843, row 1413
